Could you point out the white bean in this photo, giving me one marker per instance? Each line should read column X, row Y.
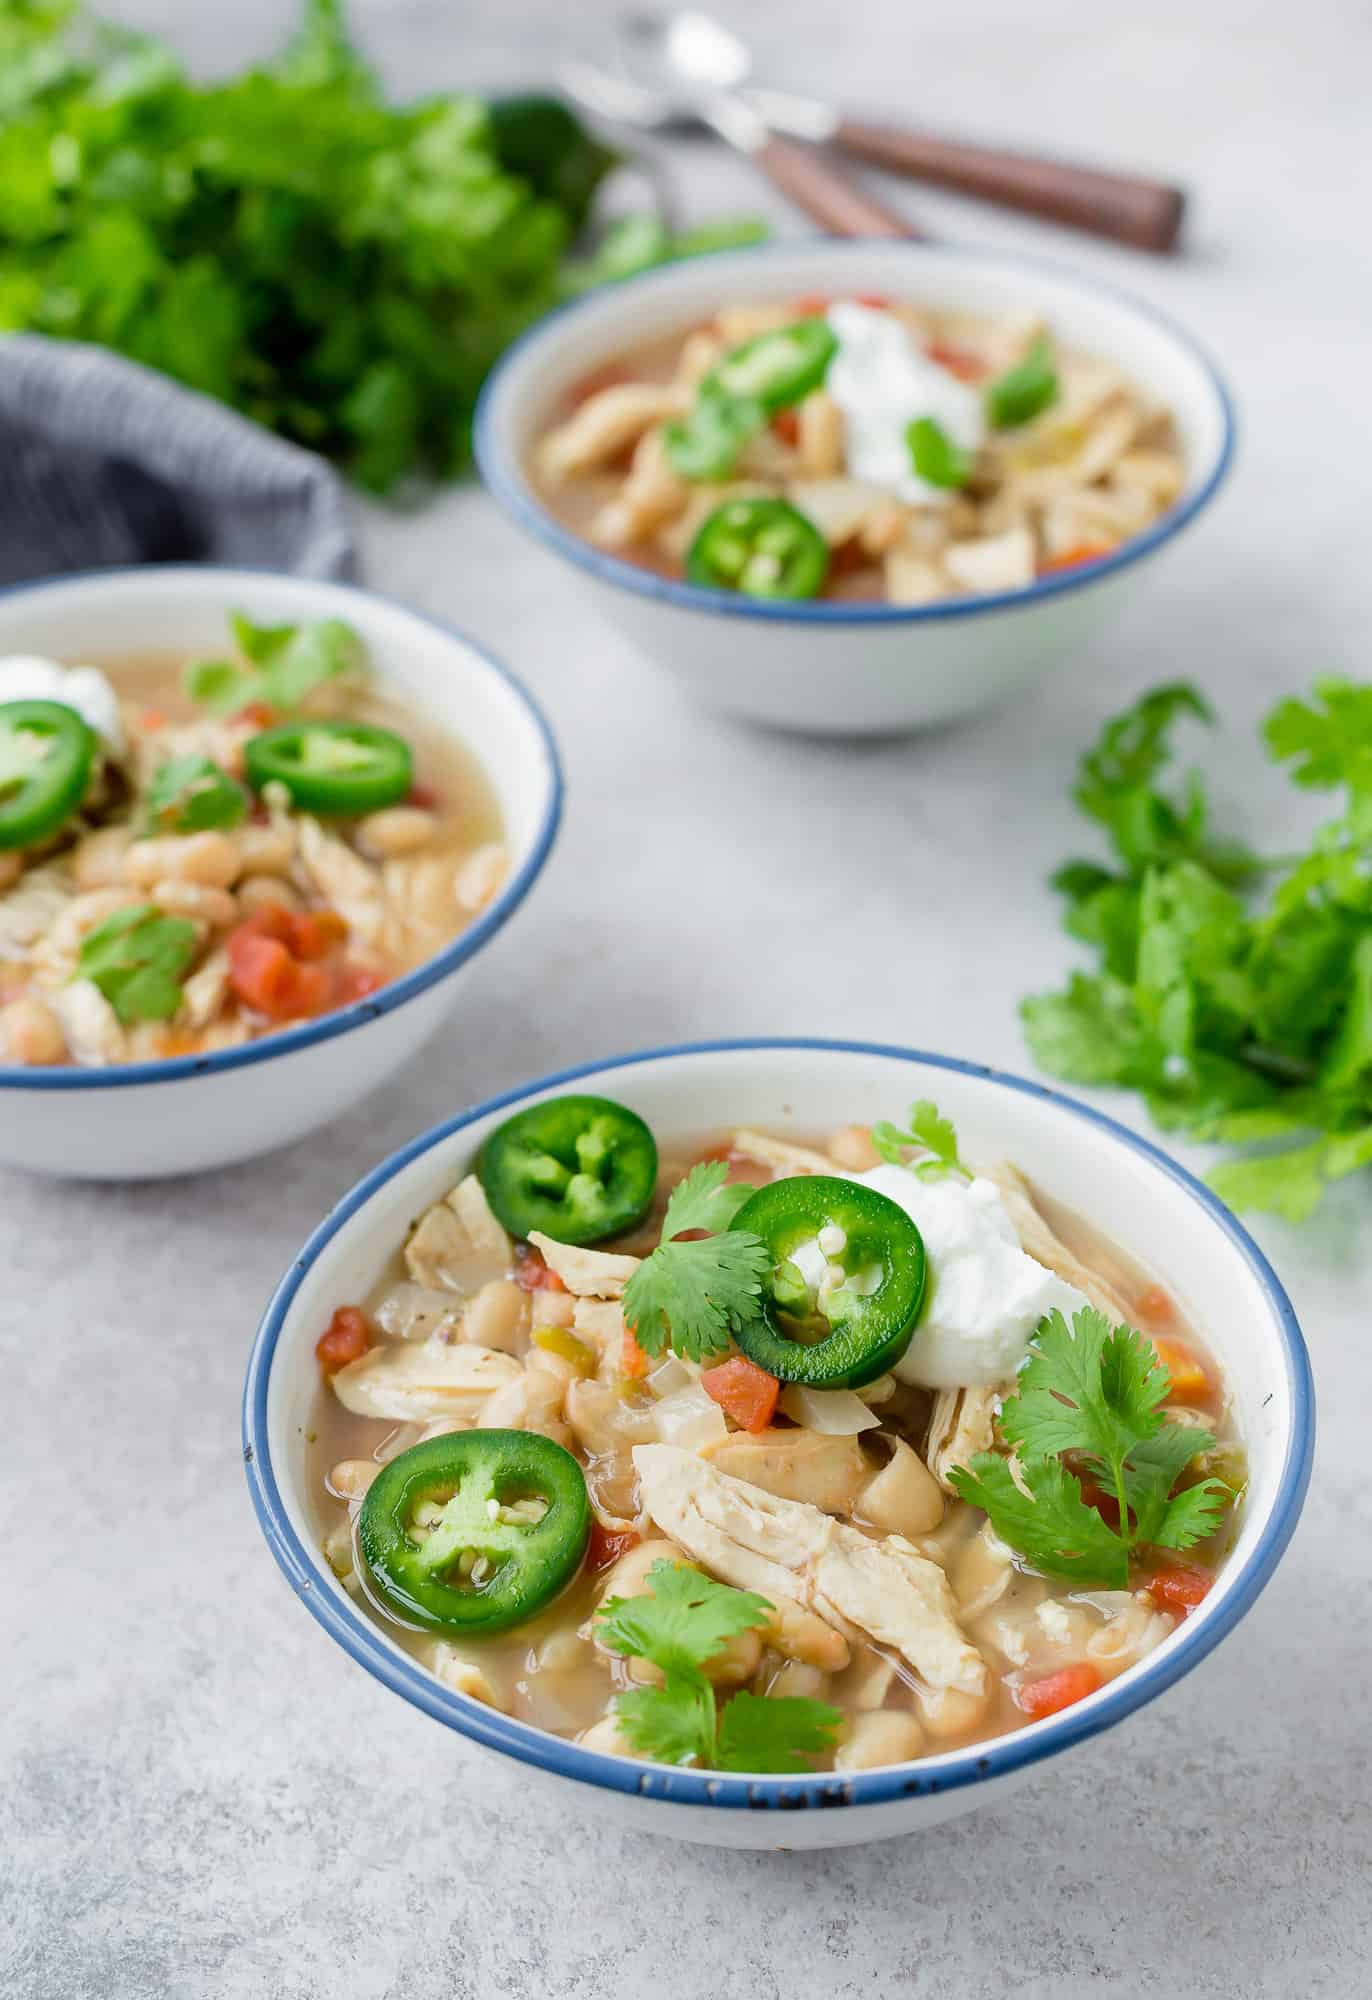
column 882, row 1736
column 98, row 861
column 498, row 1316
column 261, row 892
column 397, row 830
column 32, row 1032
column 211, row 859
column 215, row 907
column 480, row 875
column 352, row 1476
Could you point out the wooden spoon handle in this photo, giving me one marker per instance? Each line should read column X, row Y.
column 806, row 176
column 1141, row 212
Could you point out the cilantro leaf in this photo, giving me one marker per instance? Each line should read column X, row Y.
column 136, row 957
column 1328, row 740
column 1025, row 390
column 681, row 1622
column 674, row 1723
column 1045, row 1518
column 1094, row 1392
column 683, row 1619
column 694, row 1296
column 929, row 1134
column 191, row 795
column 286, row 663
column 706, row 1199
column 935, row 457
column 775, row 1733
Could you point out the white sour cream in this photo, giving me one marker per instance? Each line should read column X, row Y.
column 881, row 382
column 27, row 677
column 984, row 1296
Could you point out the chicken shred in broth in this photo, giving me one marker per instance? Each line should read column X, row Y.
column 469, row 1329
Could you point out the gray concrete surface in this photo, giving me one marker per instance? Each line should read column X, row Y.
column 198, row 1796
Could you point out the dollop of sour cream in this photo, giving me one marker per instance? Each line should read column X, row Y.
column 984, row 1294
column 881, row 382
column 27, row 677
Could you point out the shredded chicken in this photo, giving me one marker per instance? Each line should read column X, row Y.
column 962, row 1423
column 781, row 1155
column 1046, row 1248
column 424, row 1380
column 591, row 1274
column 458, row 1244
column 796, row 1464
column 794, row 1553
column 605, row 425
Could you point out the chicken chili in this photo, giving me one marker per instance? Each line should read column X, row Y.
column 859, row 449
column 194, row 855
column 833, row 1457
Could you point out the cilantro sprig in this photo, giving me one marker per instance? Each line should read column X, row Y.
column 284, row 664
column 193, row 794
column 930, row 1134
column 935, row 456
column 680, row 1623
column 1243, row 1015
column 1092, row 1394
column 137, row 957
column 694, row 1296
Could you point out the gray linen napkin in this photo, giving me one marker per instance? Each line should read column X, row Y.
column 106, row 462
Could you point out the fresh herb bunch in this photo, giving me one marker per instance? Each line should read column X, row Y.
column 1094, row 1394
column 1242, row 1017
column 693, row 1296
column 343, row 270
column 681, row 1622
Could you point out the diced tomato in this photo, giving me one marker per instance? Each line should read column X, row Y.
column 967, row 367
column 273, row 920
column 532, row 1273
column 1178, row 1587
column 356, row 982
column 1054, row 1692
column 742, row 1166
column 152, row 719
column 633, row 1362
column 1081, row 552
column 786, row 425
column 315, row 933
column 422, row 795
column 873, row 300
column 1190, row 1378
column 743, row 1391
column 267, row 978
column 607, row 1545
column 811, row 306
column 347, row 1337
column 259, row 713
column 690, row 1236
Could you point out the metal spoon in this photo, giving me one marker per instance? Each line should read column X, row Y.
column 659, row 64
column 687, row 58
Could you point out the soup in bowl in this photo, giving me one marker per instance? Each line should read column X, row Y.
column 701, row 1434
column 855, row 487
column 241, row 816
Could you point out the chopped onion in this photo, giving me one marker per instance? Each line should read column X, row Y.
column 669, row 1375
column 833, row 1412
column 416, row 1312
column 690, row 1419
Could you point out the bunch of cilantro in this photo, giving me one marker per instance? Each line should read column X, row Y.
column 341, row 269
column 679, row 1624
column 1234, row 993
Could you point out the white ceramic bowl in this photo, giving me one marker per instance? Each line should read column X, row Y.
column 145, row 1119
column 856, row 669
column 1126, row 1186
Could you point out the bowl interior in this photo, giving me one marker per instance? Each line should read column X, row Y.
column 1127, row 1189
column 103, row 616
column 526, row 389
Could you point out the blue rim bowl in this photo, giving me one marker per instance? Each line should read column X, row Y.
column 505, row 480
column 492, row 919
column 363, row 1641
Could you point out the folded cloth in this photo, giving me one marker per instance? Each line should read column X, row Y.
column 103, row 461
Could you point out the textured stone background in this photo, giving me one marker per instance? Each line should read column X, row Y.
column 198, row 1796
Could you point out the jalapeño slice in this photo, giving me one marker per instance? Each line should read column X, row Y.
column 577, row 1168
column 761, row 548
column 331, row 767
column 474, row 1532
column 46, row 754
column 778, row 368
column 817, row 1332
